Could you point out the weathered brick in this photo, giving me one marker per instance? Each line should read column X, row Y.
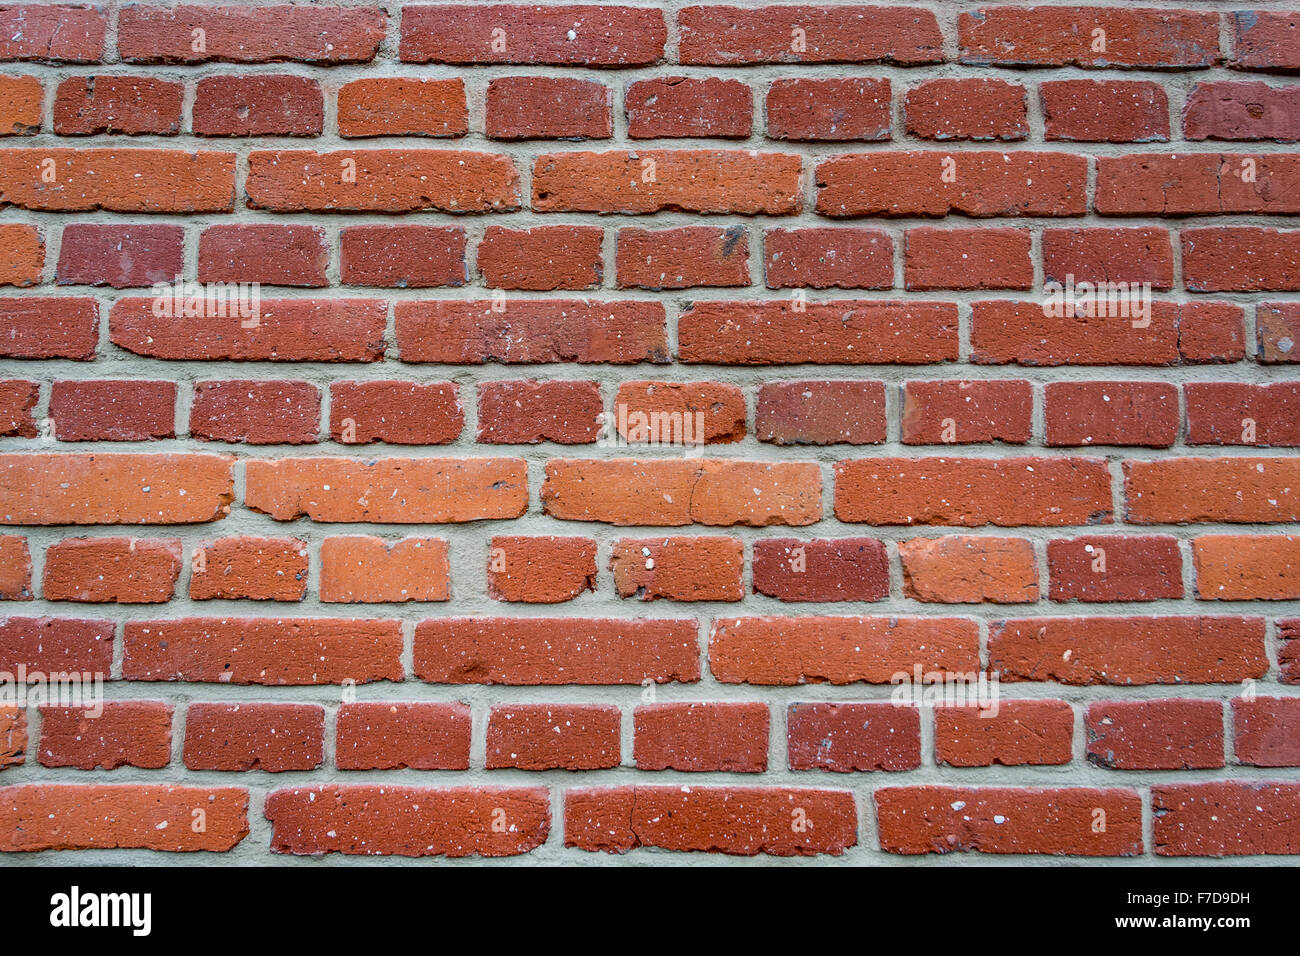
column 741, row 821
column 838, row 650
column 551, row 737
column 548, row 651
column 961, row 569
column 368, row 570
column 821, row 569
column 679, row 568
column 847, row 738
column 540, row 570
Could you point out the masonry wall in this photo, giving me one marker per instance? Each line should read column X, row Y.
column 412, row 557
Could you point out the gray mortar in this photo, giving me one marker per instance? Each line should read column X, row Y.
column 469, row 542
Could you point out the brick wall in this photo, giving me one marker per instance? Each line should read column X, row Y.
column 628, row 397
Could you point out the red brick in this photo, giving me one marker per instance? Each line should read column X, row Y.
column 259, row 569
column 678, row 106
column 270, row 651
column 1225, row 818
column 741, row 182
column 849, row 332
column 1105, row 111
column 110, row 816
column 84, row 489
column 730, row 738
column 110, row 410
column 387, row 490
column 124, row 734
column 52, row 33
column 119, row 180
column 279, row 330
column 250, row 34
column 40, row 328
column 15, row 568
column 13, row 737
column 625, row 491
column 1188, row 184
column 834, row 110
column 268, row 737
column 1211, row 332
column 1111, row 413
column 271, row 255
column 392, row 106
column 739, row 821
column 977, row 183
column 403, row 257
column 1242, row 111
column 531, row 332
column 381, row 180
column 1124, row 651
column 256, row 412
column 950, row 109
column 967, row 412
column 828, row 258
column 735, row 36
column 541, row 259
column 540, row 570
column 17, row 400
column 1267, row 731
column 553, row 737
column 588, row 35
column 785, row 651
column 1233, row 490
column 1237, row 413
column 1115, row 568
column 23, row 251
column 120, row 256
column 682, row 258
column 529, row 412
column 395, row 412
column 540, row 107
column 134, row 105
column 21, row 105
column 1155, row 734
column 1065, row 36
column 408, row 821
column 1109, row 255
column 679, row 568
column 1058, row 821
column 967, row 259
column 384, row 736
column 56, row 645
column 821, row 570
column 1017, row 733
column 1241, row 568
column 1047, row 333
column 1277, row 329
column 846, row 738
column 970, row 492
column 679, row 413
column 550, row 651
column 961, row 569
column 368, row 570
column 821, row 413
column 1288, row 655
column 1265, row 40
column 1241, row 259
column 121, row 570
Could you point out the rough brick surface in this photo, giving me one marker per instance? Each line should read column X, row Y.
column 548, row 429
